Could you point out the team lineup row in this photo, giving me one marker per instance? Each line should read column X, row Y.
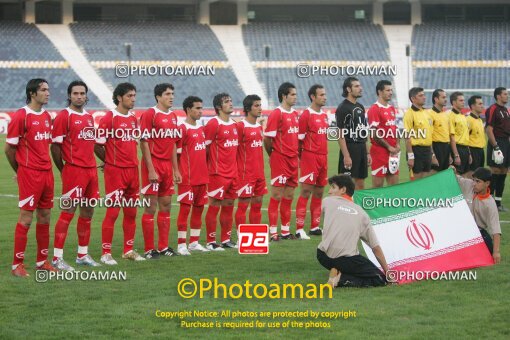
column 231, row 152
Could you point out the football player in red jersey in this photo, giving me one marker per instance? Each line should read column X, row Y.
column 192, row 191
column 73, row 143
column 382, row 120
column 27, row 150
column 251, row 182
column 221, row 140
column 281, row 144
column 159, row 168
column 116, row 146
column 313, row 147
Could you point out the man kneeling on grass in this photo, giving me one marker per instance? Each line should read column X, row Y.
column 344, row 224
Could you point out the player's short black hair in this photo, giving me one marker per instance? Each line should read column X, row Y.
column 413, row 92
column 121, row 90
column 32, row 87
column 348, row 84
column 313, row 90
column 343, row 181
column 248, row 102
column 218, row 101
column 70, row 90
column 483, row 174
column 380, row 86
column 498, row 91
column 160, row 88
column 455, row 95
column 188, row 102
column 436, row 94
column 472, row 99
column 284, row 90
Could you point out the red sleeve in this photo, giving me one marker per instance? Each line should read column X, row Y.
column 182, row 130
column 60, row 127
column 16, row 127
column 373, row 116
column 104, row 128
column 490, row 116
column 210, row 130
column 272, row 123
column 146, row 123
column 240, row 130
column 303, row 124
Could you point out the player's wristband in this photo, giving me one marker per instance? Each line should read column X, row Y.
column 410, row 155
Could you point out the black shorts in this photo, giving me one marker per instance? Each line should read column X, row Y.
column 422, row 159
column 504, row 146
column 478, row 156
column 358, row 153
column 442, row 152
column 357, row 271
column 463, row 151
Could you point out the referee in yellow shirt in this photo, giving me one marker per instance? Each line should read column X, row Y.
column 459, row 134
column 441, row 133
column 418, row 130
column 476, row 130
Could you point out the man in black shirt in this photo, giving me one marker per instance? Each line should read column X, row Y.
column 352, row 122
column 497, row 127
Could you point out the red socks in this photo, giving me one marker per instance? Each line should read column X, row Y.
column 196, row 223
column 163, row 229
column 83, row 229
column 210, row 222
column 148, row 231
column 255, row 214
column 42, row 235
column 226, row 220
column 61, row 228
column 285, row 215
column 182, row 223
column 315, row 210
column 20, row 244
column 107, row 229
column 272, row 212
column 241, row 213
column 301, row 212
column 129, row 226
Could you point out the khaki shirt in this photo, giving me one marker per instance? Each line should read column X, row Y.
column 344, row 224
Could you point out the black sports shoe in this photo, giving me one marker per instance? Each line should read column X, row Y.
column 288, row 237
column 168, row 252
column 316, row 232
column 151, row 255
column 274, row 238
column 229, row 244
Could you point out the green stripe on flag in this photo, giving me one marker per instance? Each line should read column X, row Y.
column 410, row 198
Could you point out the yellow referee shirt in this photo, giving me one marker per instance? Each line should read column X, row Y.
column 476, row 131
column 441, row 124
column 459, row 128
column 418, row 126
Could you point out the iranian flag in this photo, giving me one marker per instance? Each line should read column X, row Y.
column 424, row 226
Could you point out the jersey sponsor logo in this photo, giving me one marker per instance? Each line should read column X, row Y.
column 123, row 125
column 293, row 129
column 390, row 123
column 42, row 136
column 253, row 133
column 256, row 144
column 164, row 120
column 226, row 132
column 29, row 200
column 35, row 122
column 348, row 210
column 200, row 146
column 77, row 121
column 230, row 143
column 322, row 131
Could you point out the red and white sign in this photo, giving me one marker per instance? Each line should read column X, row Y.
column 253, row 239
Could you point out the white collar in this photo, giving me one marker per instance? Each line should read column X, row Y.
column 29, row 110
column 71, row 111
column 222, row 122
column 246, row 123
column 117, row 113
column 312, row 111
column 189, row 126
column 381, row 105
column 283, row 110
column 163, row 112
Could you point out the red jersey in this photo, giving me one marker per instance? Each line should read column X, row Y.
column 30, row 131
column 115, row 132
column 223, row 141
column 250, row 157
column 193, row 159
column 160, row 130
column 75, row 132
column 313, row 129
column 283, row 127
column 383, row 119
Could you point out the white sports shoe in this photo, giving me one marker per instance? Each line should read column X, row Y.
column 214, row 247
column 133, row 255
column 182, row 250
column 195, row 246
column 301, row 234
column 108, row 259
